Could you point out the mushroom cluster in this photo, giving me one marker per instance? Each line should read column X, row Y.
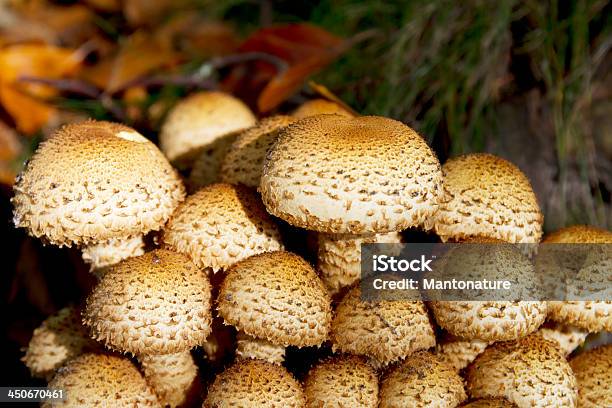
column 231, row 273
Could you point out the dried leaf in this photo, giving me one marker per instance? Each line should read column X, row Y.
column 330, row 96
column 140, row 13
column 28, row 113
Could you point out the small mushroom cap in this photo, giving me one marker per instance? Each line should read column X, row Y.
column 339, row 256
column 255, row 384
column 342, row 381
column 489, row 403
column 244, row 160
column 422, row 380
column 490, row 320
column 101, row 380
column 319, row 107
column 593, row 371
column 94, row 181
column 110, row 252
column 488, row 196
column 207, row 164
column 157, row 303
column 58, row 339
column 458, row 352
column 385, row 330
column 569, row 338
column 579, row 234
column 197, row 121
column 220, row 225
column 252, row 347
column 334, row 174
column 276, row 296
column 174, row 377
column 540, row 375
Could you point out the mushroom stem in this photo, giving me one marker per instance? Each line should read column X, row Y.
column 110, row 252
column 251, row 347
column 174, row 377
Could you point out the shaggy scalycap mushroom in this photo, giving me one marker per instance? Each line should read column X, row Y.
column 489, row 403
column 488, row 196
column 579, row 234
column 157, row 303
column 95, row 181
column 458, row 352
column 490, row 320
column 387, row 330
column 58, row 339
column 207, row 164
column 593, row 371
column 101, row 380
column 422, row 380
column 174, row 377
column 319, row 107
column 334, row 174
column 276, row 296
column 530, row 372
column 197, row 121
column 220, row 225
column 342, row 381
column 244, row 160
column 112, row 251
column 569, row 338
column 255, row 384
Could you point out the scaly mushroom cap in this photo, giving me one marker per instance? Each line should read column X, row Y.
column 112, row 251
column 157, row 303
column 319, row 107
column 579, row 234
column 220, row 225
column 488, row 196
column 593, row 371
column 253, row 347
column 94, row 181
column 334, row 174
column 489, row 403
column 490, row 320
column 197, row 121
column 255, row 384
column 339, row 256
column 244, row 160
column 101, row 380
column 342, row 381
column 207, row 164
column 422, row 380
column 569, row 338
column 530, row 372
column 58, row 339
column 458, row 352
column 276, row 296
column 385, row 330
column 174, row 377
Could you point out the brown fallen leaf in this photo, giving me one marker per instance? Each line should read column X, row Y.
column 330, row 96
column 28, row 113
column 10, row 149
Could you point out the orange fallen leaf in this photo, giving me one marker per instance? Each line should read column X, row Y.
column 28, row 113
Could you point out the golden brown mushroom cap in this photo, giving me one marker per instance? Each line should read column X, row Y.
column 530, row 372
column 276, row 296
column 342, row 381
column 157, row 303
column 101, row 380
column 489, row 403
column 579, row 234
column 94, row 181
column 458, row 352
column 386, row 330
column 593, row 371
column 488, row 196
column 220, row 225
column 422, row 380
column 198, row 120
column 334, row 174
column 255, row 384
column 319, row 106
column 243, row 162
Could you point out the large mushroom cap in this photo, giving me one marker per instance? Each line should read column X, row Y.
column 458, row 352
column 334, row 174
column 489, row 319
column 488, row 196
column 579, row 234
column 220, row 225
column 422, row 380
column 530, row 372
column 276, row 296
column 100, row 380
column 94, row 181
column 319, row 106
column 157, row 303
column 386, row 330
column 255, row 384
column 593, row 371
column 489, row 403
column 342, row 381
column 244, row 160
column 59, row 338
column 198, row 120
